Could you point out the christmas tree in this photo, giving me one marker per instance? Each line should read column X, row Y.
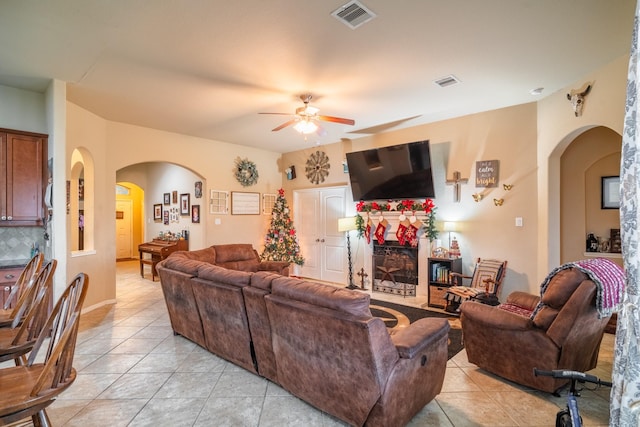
column 281, row 243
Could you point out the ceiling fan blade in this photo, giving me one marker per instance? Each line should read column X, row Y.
column 284, row 125
column 336, row 120
column 279, row 114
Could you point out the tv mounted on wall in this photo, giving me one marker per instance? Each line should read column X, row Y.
column 396, row 172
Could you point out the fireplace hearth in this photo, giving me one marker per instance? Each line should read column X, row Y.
column 395, row 268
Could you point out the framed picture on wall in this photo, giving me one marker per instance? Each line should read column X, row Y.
column 610, row 192
column 157, row 212
column 184, row 204
column 167, row 198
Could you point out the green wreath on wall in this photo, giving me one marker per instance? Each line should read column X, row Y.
column 246, row 172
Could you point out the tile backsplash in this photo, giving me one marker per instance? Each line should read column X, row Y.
column 16, row 242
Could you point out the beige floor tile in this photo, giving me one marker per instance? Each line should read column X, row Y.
column 135, row 386
column 455, row 380
column 133, row 371
column 176, row 412
column 230, row 412
column 112, row 413
column 474, row 409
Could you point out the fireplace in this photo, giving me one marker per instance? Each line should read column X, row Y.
column 395, row 268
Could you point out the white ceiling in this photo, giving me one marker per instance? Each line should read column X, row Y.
column 208, row 67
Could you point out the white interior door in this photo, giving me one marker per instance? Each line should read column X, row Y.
column 124, row 232
column 316, row 214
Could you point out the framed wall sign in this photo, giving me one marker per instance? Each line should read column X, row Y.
column 245, row 203
column 610, row 192
column 487, row 173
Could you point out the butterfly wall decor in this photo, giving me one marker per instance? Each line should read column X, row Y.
column 477, row 197
column 507, row 187
column 498, row 202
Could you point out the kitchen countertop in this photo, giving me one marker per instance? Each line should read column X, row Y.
column 14, row 263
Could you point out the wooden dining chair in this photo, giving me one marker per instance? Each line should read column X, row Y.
column 15, row 342
column 19, row 292
column 26, row 391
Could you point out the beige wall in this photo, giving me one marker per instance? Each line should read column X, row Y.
column 528, row 140
column 557, row 128
column 487, row 231
column 115, row 146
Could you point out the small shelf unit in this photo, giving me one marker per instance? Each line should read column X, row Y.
column 439, row 271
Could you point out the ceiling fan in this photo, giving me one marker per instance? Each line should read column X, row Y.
column 305, row 118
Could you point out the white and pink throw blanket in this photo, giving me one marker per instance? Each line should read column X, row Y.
column 608, row 277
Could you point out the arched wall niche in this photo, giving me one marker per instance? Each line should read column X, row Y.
column 590, row 155
column 159, row 178
column 81, row 202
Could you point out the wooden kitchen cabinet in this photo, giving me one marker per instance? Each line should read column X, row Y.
column 23, row 157
column 8, row 277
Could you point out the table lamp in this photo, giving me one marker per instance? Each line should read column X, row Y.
column 449, row 226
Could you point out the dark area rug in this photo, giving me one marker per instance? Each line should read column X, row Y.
column 395, row 315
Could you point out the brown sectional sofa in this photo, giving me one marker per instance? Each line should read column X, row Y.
column 317, row 341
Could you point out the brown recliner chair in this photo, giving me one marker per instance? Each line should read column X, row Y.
column 561, row 330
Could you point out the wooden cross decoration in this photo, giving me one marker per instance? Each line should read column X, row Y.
column 363, row 276
column 456, row 182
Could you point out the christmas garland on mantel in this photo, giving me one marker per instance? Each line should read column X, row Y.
column 428, row 206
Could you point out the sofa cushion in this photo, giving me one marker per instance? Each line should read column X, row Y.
column 558, row 291
column 180, row 263
column 562, row 286
column 204, row 255
column 246, row 265
column 222, row 275
column 328, row 296
column 235, row 252
column 263, row 280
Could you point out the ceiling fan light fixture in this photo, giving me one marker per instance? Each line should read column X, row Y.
column 306, row 127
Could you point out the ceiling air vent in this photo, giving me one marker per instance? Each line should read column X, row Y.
column 353, row 14
column 447, row 81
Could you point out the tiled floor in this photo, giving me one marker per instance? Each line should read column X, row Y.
column 132, row 371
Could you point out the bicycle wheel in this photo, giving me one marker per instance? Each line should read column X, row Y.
column 563, row 419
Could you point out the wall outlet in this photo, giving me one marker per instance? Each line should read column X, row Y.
column 518, row 221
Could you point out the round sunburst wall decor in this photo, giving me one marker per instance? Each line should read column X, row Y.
column 317, row 168
column 246, row 172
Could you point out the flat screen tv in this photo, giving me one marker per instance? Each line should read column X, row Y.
column 396, row 172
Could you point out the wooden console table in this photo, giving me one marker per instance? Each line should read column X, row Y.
column 158, row 250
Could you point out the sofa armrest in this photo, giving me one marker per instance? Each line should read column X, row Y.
column 493, row 317
column 280, row 267
column 417, row 336
column 523, row 299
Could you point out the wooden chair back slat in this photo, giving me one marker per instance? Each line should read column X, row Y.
column 35, row 319
column 63, row 324
column 20, row 289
